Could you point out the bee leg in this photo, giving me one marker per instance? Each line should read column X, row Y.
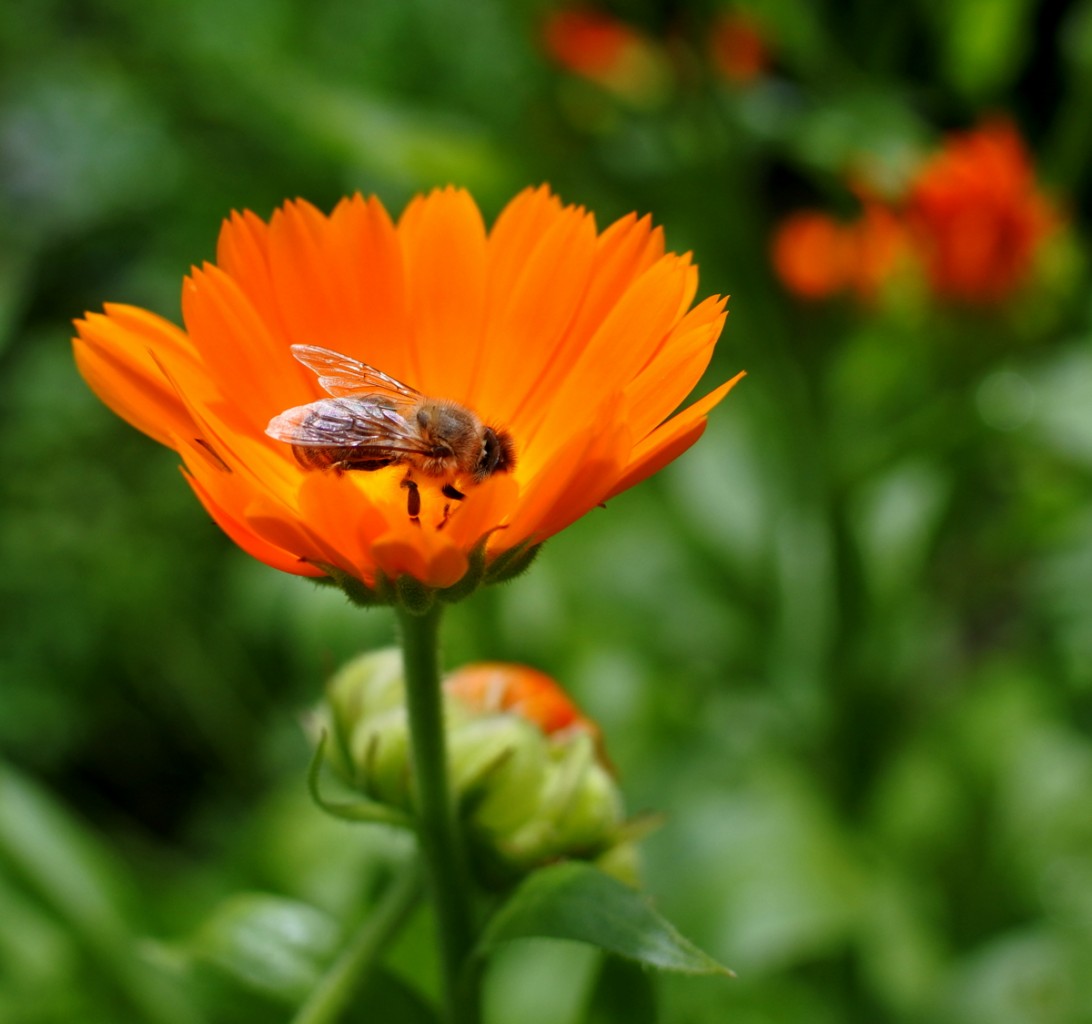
column 452, row 492
column 413, row 499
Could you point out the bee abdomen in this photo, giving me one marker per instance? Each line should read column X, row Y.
column 339, row 457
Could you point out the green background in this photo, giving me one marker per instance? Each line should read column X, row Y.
column 844, row 644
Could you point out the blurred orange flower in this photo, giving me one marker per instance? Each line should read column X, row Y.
column 601, row 48
column 811, row 254
column 587, row 42
column 579, row 343
column 881, row 250
column 816, row 256
column 738, row 47
column 977, row 216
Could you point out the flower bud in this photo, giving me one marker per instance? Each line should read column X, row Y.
column 365, row 712
column 526, row 768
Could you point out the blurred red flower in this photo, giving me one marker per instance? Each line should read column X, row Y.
column 739, row 49
column 976, row 215
column 605, row 50
column 587, row 42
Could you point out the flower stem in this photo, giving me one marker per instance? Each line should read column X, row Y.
column 337, row 987
column 438, row 828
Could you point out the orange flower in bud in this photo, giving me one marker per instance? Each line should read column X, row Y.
column 977, row 216
column 738, row 47
column 573, row 344
column 498, row 686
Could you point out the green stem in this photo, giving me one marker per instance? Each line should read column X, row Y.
column 336, row 989
column 438, row 828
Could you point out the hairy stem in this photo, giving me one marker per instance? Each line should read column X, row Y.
column 438, row 828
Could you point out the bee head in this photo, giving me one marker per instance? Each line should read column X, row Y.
column 498, row 454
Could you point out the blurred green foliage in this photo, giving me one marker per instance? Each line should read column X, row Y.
column 845, row 643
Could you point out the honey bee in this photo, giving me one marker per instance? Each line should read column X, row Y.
column 372, row 421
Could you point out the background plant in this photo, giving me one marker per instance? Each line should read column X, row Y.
column 843, row 644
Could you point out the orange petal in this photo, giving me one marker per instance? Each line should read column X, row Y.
column 242, row 252
column 443, row 241
column 366, row 253
column 631, row 332
column 436, row 564
column 671, row 440
column 250, row 541
column 250, row 363
column 576, row 479
column 114, row 355
column 665, row 381
column 624, row 251
column 537, row 283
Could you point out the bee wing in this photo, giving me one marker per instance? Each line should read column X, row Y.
column 341, row 376
column 373, row 426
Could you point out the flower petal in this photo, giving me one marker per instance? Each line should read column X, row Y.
column 443, row 240
column 114, row 355
column 672, row 439
column 251, row 541
column 237, row 347
column 537, row 282
column 667, row 379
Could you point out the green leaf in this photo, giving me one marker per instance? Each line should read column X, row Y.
column 271, row 945
column 582, row 904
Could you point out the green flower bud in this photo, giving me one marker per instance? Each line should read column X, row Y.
column 526, row 769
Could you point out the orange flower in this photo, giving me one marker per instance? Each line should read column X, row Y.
column 812, row 254
column 604, row 50
column 881, row 249
column 738, row 47
column 977, row 216
column 817, row 257
column 579, row 343
column 587, row 42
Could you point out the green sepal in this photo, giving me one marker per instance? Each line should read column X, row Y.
column 366, row 811
column 413, row 595
column 358, row 592
column 511, row 563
